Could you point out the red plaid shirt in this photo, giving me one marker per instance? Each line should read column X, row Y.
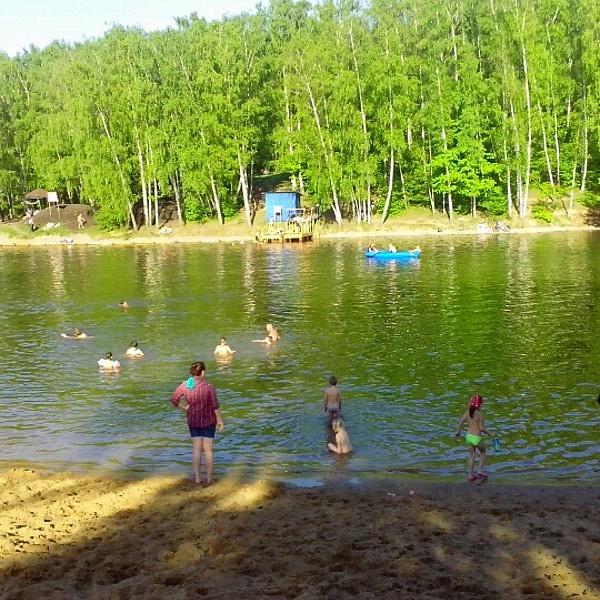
column 202, row 402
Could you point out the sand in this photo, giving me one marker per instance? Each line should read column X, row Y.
column 74, row 536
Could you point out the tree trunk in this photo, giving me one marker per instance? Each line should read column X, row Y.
column 244, row 184
column 388, row 198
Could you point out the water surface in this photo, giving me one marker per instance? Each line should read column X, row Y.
column 514, row 318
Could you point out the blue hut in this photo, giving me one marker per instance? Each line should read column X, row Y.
column 281, row 206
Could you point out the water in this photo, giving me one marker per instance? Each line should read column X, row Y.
column 514, row 318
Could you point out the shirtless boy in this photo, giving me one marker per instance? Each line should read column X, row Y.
column 333, row 399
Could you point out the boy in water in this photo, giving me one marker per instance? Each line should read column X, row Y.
column 342, row 441
column 333, row 399
column 473, row 417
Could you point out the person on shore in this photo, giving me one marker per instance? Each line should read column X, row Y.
column 333, row 399
column 76, row 335
column 473, row 417
column 80, row 221
column 134, row 350
column 203, row 416
column 108, row 363
column 272, row 335
column 223, row 348
column 342, row 441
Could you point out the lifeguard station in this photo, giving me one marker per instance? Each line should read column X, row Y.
column 286, row 220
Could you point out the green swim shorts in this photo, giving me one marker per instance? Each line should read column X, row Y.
column 473, row 440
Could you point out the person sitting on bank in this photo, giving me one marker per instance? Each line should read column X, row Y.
column 108, row 363
column 134, row 350
column 76, row 335
column 223, row 348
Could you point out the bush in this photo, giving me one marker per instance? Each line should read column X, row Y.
column 542, row 213
column 590, row 200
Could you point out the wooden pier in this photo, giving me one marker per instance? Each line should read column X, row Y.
column 301, row 229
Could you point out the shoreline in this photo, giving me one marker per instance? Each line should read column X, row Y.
column 82, row 239
column 91, row 536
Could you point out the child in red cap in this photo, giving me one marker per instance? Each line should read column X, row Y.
column 474, row 419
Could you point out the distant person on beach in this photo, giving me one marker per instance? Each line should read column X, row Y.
column 223, row 348
column 134, row 350
column 342, row 441
column 203, row 416
column 80, row 221
column 76, row 335
column 108, row 363
column 333, row 399
column 272, row 335
column 473, row 417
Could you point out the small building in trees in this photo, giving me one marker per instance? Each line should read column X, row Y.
column 281, row 207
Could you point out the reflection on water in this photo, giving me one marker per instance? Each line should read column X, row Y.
column 511, row 317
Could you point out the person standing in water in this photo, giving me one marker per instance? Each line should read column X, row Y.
column 333, row 399
column 203, row 416
column 473, row 417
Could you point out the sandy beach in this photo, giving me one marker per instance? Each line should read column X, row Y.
column 234, row 236
column 74, row 536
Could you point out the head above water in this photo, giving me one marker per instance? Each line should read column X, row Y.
column 223, row 340
column 332, row 380
column 78, row 331
column 337, row 425
column 133, row 344
column 197, row 368
column 108, row 356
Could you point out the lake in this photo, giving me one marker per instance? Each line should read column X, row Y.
column 515, row 318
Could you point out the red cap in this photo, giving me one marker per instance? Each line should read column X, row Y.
column 476, row 401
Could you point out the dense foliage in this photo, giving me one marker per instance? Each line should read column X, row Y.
column 464, row 106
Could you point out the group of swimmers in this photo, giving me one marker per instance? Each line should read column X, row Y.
column 473, row 416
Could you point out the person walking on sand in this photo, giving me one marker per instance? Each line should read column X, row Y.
column 473, row 417
column 342, row 441
column 333, row 399
column 203, row 416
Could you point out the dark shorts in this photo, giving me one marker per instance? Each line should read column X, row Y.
column 205, row 432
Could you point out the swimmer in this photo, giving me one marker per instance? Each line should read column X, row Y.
column 123, row 304
column 134, row 350
column 342, row 441
column 223, row 348
column 272, row 335
column 76, row 335
column 108, row 364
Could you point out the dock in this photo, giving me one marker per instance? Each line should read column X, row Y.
column 287, row 231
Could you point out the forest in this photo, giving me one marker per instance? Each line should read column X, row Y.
column 481, row 107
